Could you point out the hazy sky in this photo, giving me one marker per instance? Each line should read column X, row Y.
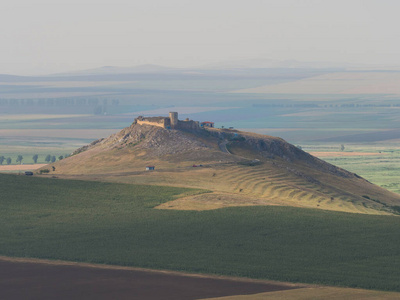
column 59, row 35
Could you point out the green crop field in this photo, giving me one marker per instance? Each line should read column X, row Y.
column 383, row 171
column 28, row 153
column 116, row 224
column 382, row 168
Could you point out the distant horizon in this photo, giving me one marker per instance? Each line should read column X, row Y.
column 223, row 65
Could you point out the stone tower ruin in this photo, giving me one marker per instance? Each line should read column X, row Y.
column 173, row 116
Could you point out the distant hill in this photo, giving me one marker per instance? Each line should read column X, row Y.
column 239, row 168
column 107, row 70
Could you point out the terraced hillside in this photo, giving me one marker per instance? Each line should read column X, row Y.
column 238, row 168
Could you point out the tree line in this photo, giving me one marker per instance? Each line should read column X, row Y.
column 49, row 158
column 58, row 102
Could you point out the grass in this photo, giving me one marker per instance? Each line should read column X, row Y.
column 116, row 224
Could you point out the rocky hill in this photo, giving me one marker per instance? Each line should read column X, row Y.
column 155, row 140
column 240, row 168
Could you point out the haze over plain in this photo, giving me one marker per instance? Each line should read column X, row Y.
column 321, row 74
column 41, row 37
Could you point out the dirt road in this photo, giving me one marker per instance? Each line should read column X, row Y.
column 222, row 146
column 20, row 167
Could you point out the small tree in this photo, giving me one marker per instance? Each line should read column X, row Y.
column 53, row 158
column 341, row 147
column 60, row 157
column 2, row 159
column 19, row 159
column 8, row 160
column 35, row 158
column 48, row 158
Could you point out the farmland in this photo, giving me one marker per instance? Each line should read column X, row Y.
column 111, row 101
column 376, row 162
column 64, row 113
column 116, row 224
column 113, row 223
column 19, row 280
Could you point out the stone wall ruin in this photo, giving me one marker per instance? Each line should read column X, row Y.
column 171, row 122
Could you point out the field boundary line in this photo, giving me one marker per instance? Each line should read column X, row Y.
column 129, row 268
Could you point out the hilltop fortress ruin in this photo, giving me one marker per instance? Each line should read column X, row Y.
column 172, row 122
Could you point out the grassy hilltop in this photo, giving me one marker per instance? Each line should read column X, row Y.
column 116, row 224
column 235, row 165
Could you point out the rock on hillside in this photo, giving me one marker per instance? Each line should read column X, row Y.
column 156, row 141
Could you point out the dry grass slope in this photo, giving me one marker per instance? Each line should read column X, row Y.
column 257, row 170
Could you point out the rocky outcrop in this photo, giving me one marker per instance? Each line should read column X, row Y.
column 155, row 140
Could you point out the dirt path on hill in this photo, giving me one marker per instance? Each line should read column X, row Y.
column 222, row 146
column 44, row 279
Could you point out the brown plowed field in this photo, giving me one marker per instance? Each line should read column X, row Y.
column 33, row 279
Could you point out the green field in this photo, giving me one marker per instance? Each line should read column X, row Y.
column 116, row 224
column 382, row 169
column 28, row 152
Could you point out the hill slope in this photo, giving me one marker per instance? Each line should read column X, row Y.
column 239, row 168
